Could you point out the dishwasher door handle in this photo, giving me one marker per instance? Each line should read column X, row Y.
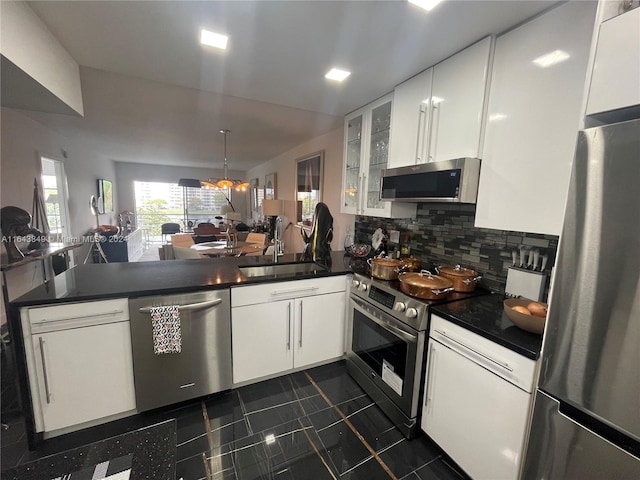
column 190, row 307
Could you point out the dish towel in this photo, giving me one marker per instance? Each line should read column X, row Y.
column 165, row 323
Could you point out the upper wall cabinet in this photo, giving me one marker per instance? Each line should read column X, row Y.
column 411, row 120
column 615, row 82
column 367, row 136
column 533, row 117
column 438, row 114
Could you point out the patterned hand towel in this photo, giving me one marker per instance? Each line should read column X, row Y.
column 165, row 322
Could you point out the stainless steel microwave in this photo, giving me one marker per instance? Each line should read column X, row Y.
column 444, row 181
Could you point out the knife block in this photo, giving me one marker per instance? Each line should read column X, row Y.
column 525, row 283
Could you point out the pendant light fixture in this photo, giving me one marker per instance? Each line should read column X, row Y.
column 225, row 182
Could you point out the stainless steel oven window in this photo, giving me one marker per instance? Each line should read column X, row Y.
column 377, row 346
column 364, row 320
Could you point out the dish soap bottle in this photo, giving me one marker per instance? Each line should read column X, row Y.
column 405, row 249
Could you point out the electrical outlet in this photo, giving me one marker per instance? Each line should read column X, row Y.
column 394, row 236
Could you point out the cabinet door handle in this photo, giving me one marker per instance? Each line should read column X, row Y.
column 79, row 317
column 300, row 334
column 189, row 307
column 503, row 365
column 294, row 291
column 422, row 112
column 289, row 326
column 433, row 136
column 364, row 192
column 47, row 392
column 430, row 378
column 359, row 207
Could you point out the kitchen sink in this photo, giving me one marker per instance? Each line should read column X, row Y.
column 282, row 270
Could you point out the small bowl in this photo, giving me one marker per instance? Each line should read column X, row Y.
column 530, row 323
column 359, row 249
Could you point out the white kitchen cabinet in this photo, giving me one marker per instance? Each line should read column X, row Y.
column 411, row 120
column 477, row 401
column 438, row 114
column 533, row 118
column 261, row 339
column 79, row 362
column 280, row 326
column 615, row 80
column 458, row 100
column 318, row 328
column 366, row 151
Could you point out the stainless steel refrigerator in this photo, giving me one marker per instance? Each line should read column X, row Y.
column 586, row 419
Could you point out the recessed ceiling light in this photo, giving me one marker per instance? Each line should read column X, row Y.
column 337, row 74
column 213, row 39
column 551, row 58
column 426, row 4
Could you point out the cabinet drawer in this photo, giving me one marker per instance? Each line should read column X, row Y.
column 271, row 292
column 503, row 362
column 70, row 315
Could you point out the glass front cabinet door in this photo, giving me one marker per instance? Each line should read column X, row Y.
column 352, row 161
column 366, row 153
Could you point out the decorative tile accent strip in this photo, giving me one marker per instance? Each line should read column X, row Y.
column 443, row 234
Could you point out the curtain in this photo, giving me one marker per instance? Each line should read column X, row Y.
column 38, row 211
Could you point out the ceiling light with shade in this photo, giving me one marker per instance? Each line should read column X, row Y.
column 225, row 182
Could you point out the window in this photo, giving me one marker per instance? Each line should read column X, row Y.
column 54, row 189
column 159, row 202
column 308, row 186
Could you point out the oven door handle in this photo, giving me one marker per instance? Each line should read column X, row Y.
column 398, row 332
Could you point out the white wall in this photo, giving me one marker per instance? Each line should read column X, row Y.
column 23, row 142
column 28, row 43
column 285, row 168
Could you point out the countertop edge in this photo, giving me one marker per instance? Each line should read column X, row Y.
column 32, row 298
column 485, row 334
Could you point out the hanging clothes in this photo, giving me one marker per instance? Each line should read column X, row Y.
column 318, row 243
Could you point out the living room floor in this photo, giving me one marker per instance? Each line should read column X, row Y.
column 313, row 424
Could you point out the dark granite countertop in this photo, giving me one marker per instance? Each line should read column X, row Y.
column 150, row 454
column 112, row 280
column 485, row 316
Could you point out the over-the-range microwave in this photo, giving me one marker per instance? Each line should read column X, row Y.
column 443, row 181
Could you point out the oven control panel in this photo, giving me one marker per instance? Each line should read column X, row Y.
column 383, row 295
column 383, row 298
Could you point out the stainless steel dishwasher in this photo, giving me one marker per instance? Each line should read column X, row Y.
column 204, row 364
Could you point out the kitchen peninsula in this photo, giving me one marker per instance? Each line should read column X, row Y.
column 76, row 334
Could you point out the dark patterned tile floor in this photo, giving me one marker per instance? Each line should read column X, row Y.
column 316, row 424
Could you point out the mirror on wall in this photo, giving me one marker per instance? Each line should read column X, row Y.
column 309, row 178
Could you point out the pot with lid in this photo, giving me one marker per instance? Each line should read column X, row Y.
column 384, row 268
column 425, row 285
column 464, row 279
column 411, row 264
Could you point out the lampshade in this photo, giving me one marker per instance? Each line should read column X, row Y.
column 272, row 207
column 234, row 216
column 189, row 182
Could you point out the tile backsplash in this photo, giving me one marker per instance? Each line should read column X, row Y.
column 443, row 234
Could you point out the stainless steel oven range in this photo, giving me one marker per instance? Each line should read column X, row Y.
column 386, row 346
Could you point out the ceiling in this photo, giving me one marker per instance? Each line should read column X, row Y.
column 153, row 94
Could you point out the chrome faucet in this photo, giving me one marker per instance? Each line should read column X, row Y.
column 277, row 243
